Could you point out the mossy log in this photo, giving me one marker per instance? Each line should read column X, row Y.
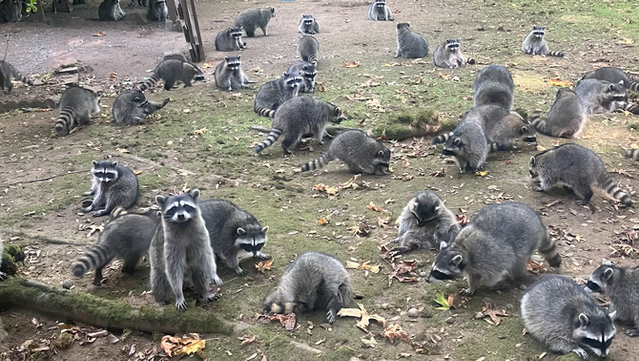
column 424, row 123
column 89, row 309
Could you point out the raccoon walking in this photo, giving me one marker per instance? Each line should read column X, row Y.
column 112, row 185
column 9, row 72
column 495, row 246
column 181, row 244
column 127, row 236
column 10, row 11
column 275, row 92
column 299, row 117
column 410, row 44
column 233, row 229
column 467, row 144
column 494, row 84
column 158, row 11
column 132, row 107
column 308, row 25
column 361, row 153
column 110, row 10
column 308, row 48
column 599, row 96
column 535, row 44
column 230, row 39
column 229, row 74
column 307, row 72
column 379, row 11
column 448, row 55
column 561, row 316
column 251, row 19
column 425, row 223
column 566, row 118
column 614, row 75
column 501, row 127
column 172, row 71
column 77, row 106
column 312, row 282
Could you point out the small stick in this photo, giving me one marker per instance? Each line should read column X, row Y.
column 46, row 179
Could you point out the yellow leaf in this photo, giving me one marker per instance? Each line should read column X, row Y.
column 559, row 82
column 352, row 265
column 323, row 221
column 352, row 64
column 442, row 301
column 191, row 347
column 482, row 173
column 374, row 207
column 200, row 131
column 207, row 65
column 263, row 267
column 331, row 191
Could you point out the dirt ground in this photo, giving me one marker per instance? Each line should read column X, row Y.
column 219, row 160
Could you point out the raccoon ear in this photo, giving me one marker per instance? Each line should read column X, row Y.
column 95, row 163
column 336, row 112
column 239, row 57
column 285, row 74
column 607, row 274
column 612, row 315
column 585, row 321
column 436, row 208
column 621, row 82
column 241, row 231
column 195, row 194
column 457, row 141
column 160, row 200
column 159, row 213
column 264, row 230
column 380, row 154
column 457, row 260
column 443, row 245
column 115, row 163
column 524, row 129
column 226, row 58
column 532, row 160
column 611, row 87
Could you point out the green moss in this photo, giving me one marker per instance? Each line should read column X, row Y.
column 342, row 353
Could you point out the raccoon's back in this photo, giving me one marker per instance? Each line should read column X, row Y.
column 301, row 111
column 414, row 45
column 129, row 233
column 611, row 74
column 170, row 68
column 573, row 161
column 222, row 219
column 78, row 98
column 312, row 269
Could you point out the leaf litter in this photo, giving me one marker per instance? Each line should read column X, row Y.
column 363, row 315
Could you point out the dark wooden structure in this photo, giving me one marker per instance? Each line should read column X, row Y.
column 183, row 14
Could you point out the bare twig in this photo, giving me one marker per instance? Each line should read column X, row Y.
column 41, row 238
column 261, row 129
column 156, row 164
column 47, row 178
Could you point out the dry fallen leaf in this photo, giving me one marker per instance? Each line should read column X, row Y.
column 208, row 65
column 494, row 315
column 462, row 219
column 200, row 131
column 393, row 332
column 559, row 82
column 535, row 267
column 288, row 321
column 352, row 265
column 352, row 64
column 262, row 268
column 361, row 313
column 186, row 345
column 247, row 339
column 400, row 269
column 100, row 34
column 323, row 221
column 482, row 173
column 374, row 207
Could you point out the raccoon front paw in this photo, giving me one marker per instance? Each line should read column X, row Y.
column 263, row 256
column 581, row 353
column 180, row 304
column 3, row 276
column 330, row 316
column 633, row 332
column 100, row 213
column 538, row 189
column 217, row 280
column 88, row 193
column 240, row 271
column 467, row 292
column 89, row 208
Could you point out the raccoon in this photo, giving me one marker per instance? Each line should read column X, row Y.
column 233, row 229
column 566, row 118
column 110, row 10
column 251, row 19
column 308, row 73
column 275, row 92
column 131, row 107
column 77, row 106
column 535, row 44
column 621, row 286
column 126, row 236
column 2, row 274
column 614, row 75
column 600, row 96
column 171, row 71
column 502, row 127
column 158, row 11
column 308, row 48
column 112, row 185
column 312, row 282
column 410, row 44
column 494, row 84
column 298, row 117
column 230, row 39
column 495, row 246
column 229, row 74
column 176, row 56
column 9, row 72
column 632, row 154
column 577, row 167
column 467, row 143
column 361, row 153
column 10, row 11
column 560, row 315
column 308, row 25
column 425, row 223
column 448, row 55
column 379, row 11
column 181, row 244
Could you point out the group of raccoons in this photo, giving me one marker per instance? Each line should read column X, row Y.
column 187, row 234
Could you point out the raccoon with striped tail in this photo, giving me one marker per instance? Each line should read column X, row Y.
column 112, row 185
column 614, row 75
column 578, row 168
column 77, row 106
column 410, row 45
column 229, row 74
column 307, row 72
column 308, row 48
column 361, row 153
column 171, row 71
column 467, row 144
column 379, row 11
column 495, row 247
column 126, row 236
column 566, row 118
column 308, row 25
column 494, row 84
column 448, row 55
column 600, row 96
column 502, row 127
column 314, row 281
column 132, row 107
column 9, row 72
column 230, row 39
column 299, row 117
column 535, row 44
column 251, row 19
column 275, row 92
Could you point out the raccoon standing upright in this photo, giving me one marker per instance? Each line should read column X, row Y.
column 495, row 246
column 379, row 11
column 361, row 153
column 233, row 229
column 312, row 282
column 230, row 39
column 566, row 118
column 251, row 19
column 229, row 74
column 502, row 127
column 77, row 106
column 577, row 167
column 425, row 223
column 112, row 185
column 182, row 245
column 561, row 316
column 494, row 84
column 308, row 25
column 9, row 72
column 110, row 10
column 132, row 107
column 10, row 11
column 535, row 44
column 600, row 96
column 307, row 72
column 299, row 117
column 467, row 144
column 158, row 11
column 275, row 92
column 308, row 48
column 172, row 71
column 449, row 55
column 410, row 44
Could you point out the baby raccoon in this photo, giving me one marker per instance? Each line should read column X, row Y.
column 494, row 84
column 77, row 106
column 502, row 127
column 495, row 246
column 233, row 229
column 251, row 19
column 599, row 96
column 577, row 167
column 566, row 118
column 158, row 11
column 7, row 73
column 110, row 10
column 561, row 316
column 112, row 185
column 307, row 72
column 131, row 107
column 361, row 153
column 308, row 48
column 425, row 223
column 127, row 236
column 298, row 117
column 535, row 44
column 467, row 143
column 312, row 282
column 275, row 92
column 172, row 71
column 614, row 75
column 10, row 11
column 308, row 25
column 448, row 55
column 229, row 74
column 230, row 39
column 379, row 11
column 410, row 45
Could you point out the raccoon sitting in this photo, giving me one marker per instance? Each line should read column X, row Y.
column 535, row 44
column 577, row 167
column 112, row 185
column 308, row 25
column 77, row 106
column 614, row 75
column 232, row 229
column 410, row 44
column 251, row 19
column 448, row 55
column 110, row 10
column 7, row 73
column 132, row 107
column 10, row 11
column 566, row 118
column 299, row 117
column 502, row 127
column 275, row 92
column 172, row 71
column 126, row 236
column 312, row 282
column 308, row 48
column 307, row 72
column 158, row 11
column 361, row 153
column 599, row 96
column 495, row 246
column 467, row 143
column 230, row 39
column 561, row 316
column 425, row 223
column 229, row 74
column 494, row 84
column 379, row 11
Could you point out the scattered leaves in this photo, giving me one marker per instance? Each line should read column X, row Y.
column 393, row 332
column 323, row 221
column 208, row 64
column 263, row 267
column 100, row 34
column 462, row 219
column 494, row 315
column 369, row 342
column 364, row 316
column 559, row 82
column 401, row 268
column 535, row 267
column 323, row 188
column 374, row 207
column 352, row 64
column 288, row 321
column 200, row 131
column 363, row 228
column 247, row 339
column 482, row 173
column 186, row 345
